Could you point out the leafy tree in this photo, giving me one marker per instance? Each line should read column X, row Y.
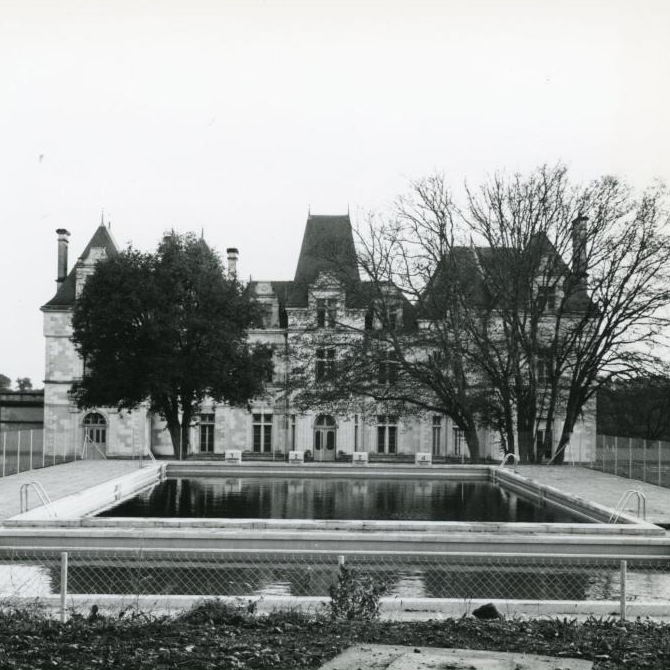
column 24, row 384
column 5, row 383
column 167, row 328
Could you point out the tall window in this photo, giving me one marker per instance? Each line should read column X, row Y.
column 437, row 434
column 387, row 434
column 262, row 432
column 459, row 439
column 546, row 298
column 388, row 369
column 543, row 368
column 355, row 432
column 326, row 312
column 325, row 364
column 95, row 428
column 207, row 433
column 270, row 372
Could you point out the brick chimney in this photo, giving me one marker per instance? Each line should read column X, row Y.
column 233, row 255
column 579, row 235
column 62, row 255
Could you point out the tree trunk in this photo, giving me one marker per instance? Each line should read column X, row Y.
column 180, row 432
column 185, row 432
column 472, row 440
column 526, row 447
column 559, row 457
column 174, row 428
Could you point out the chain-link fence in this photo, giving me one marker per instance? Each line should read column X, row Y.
column 632, row 457
column 87, row 575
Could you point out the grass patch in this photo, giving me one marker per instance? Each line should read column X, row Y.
column 217, row 635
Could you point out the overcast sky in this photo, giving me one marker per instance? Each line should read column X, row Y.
column 236, row 116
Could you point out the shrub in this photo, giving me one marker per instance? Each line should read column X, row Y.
column 356, row 596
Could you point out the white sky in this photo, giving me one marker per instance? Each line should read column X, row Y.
column 234, row 116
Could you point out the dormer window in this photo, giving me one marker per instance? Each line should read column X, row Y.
column 393, row 317
column 546, row 298
column 266, row 314
column 326, row 312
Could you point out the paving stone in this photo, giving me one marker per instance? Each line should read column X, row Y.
column 59, row 481
column 601, row 488
column 388, row 657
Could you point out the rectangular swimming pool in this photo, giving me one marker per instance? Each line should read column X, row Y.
column 285, row 497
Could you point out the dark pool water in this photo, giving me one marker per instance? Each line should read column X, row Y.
column 364, row 499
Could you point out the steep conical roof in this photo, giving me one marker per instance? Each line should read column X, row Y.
column 66, row 293
column 327, row 246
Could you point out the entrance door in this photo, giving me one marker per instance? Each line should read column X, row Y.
column 325, row 438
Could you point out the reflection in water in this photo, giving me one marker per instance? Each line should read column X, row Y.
column 375, row 499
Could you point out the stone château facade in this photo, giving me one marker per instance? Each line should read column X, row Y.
column 321, row 290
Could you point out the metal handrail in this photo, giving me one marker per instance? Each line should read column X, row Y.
column 504, row 461
column 41, row 494
column 84, row 448
column 641, row 502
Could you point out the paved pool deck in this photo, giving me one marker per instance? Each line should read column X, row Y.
column 59, row 481
column 601, row 488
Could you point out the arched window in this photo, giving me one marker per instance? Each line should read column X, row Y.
column 95, row 428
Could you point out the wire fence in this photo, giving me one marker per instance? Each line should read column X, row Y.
column 88, row 576
column 634, row 458
column 25, row 450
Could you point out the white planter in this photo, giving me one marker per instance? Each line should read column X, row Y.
column 233, row 456
column 359, row 458
column 296, row 457
column 423, row 458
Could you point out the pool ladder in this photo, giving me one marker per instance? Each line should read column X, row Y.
column 41, row 494
column 621, row 505
column 504, row 461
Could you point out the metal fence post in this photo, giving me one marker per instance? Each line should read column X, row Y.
column 644, row 460
column 630, row 458
column 616, row 454
column 659, row 463
column 44, row 448
column 622, row 594
column 341, row 560
column 4, row 449
column 31, row 451
column 63, row 586
column 18, row 453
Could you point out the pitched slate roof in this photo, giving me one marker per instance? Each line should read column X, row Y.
column 327, row 246
column 66, row 293
column 467, row 268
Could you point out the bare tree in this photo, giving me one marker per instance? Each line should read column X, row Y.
column 517, row 306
